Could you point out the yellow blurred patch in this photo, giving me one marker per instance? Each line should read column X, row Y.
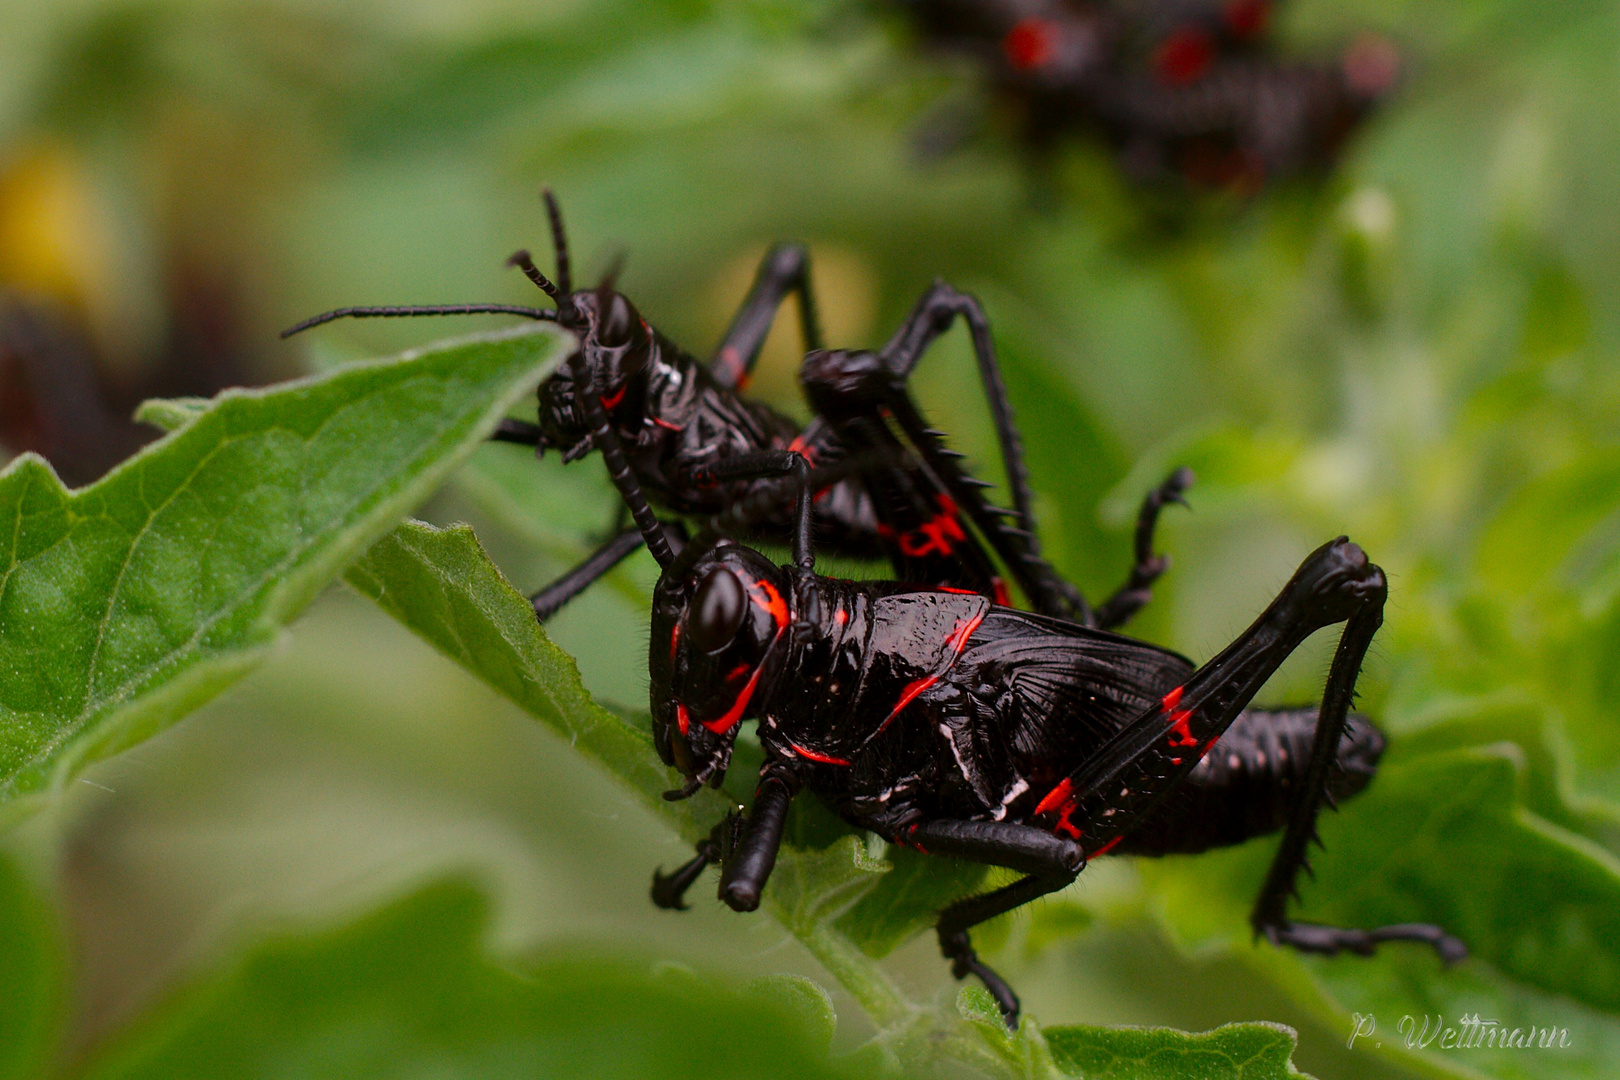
column 47, row 228
column 846, row 300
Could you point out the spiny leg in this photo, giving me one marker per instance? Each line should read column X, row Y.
column 918, row 521
column 1138, row 588
column 921, row 500
column 931, row 317
column 1270, row 910
column 784, row 270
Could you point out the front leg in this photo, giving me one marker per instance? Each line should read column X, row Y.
column 750, row 863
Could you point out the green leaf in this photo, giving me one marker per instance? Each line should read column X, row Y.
column 907, row 899
column 1546, row 783
column 127, row 603
column 1022, row 1053
column 1230, row 1052
column 440, row 583
column 33, row 987
column 1537, row 902
column 410, row 991
column 171, row 414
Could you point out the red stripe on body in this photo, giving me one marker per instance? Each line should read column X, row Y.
column 725, row 723
column 957, row 641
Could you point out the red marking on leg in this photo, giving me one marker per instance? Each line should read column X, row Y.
column 1054, row 798
column 959, row 592
column 674, row 640
column 1106, row 848
column 825, row 759
column 957, row 640
column 798, row 447
column 736, row 673
column 683, row 719
column 999, row 587
column 1184, row 57
column 773, row 603
column 661, row 422
column 1030, row 43
column 611, row 403
column 938, row 533
column 1175, row 761
column 1065, row 825
column 1179, row 734
column 840, row 616
column 911, row 832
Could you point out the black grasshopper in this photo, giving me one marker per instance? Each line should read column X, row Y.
column 886, row 483
column 1189, row 88
column 940, row 720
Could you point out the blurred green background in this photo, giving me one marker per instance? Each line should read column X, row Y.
column 1418, row 351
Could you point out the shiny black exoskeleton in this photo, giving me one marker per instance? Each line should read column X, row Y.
column 938, row 719
column 886, row 485
column 1189, row 88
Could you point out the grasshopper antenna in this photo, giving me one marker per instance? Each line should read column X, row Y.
column 559, row 242
column 396, row 312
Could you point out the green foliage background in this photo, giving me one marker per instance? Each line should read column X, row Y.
column 365, row 861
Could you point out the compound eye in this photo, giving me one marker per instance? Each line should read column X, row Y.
column 617, row 323
column 717, row 610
